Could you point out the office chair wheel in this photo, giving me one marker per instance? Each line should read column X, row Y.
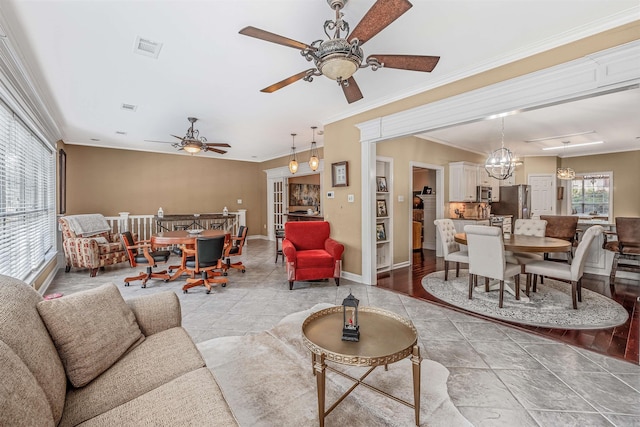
column 126, row 284
column 185, row 291
column 165, row 280
column 208, row 291
column 144, row 285
column 243, row 270
column 225, row 274
column 224, row 285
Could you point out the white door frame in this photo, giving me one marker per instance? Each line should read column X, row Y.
column 439, row 190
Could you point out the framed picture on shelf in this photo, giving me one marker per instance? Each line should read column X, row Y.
column 381, row 184
column 340, row 174
column 381, row 233
column 381, row 206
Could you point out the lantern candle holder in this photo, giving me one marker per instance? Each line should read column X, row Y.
column 350, row 328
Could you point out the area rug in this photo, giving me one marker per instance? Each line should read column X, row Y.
column 268, row 381
column 550, row 306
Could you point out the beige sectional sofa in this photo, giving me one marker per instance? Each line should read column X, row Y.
column 92, row 359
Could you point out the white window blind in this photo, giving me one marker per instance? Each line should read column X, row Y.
column 27, row 198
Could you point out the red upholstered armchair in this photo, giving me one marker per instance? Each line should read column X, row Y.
column 311, row 253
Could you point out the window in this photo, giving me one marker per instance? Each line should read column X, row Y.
column 591, row 194
column 27, row 198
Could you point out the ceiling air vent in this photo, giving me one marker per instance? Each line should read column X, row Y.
column 147, row 47
column 120, row 132
column 129, row 107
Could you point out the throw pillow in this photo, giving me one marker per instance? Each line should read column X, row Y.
column 91, row 331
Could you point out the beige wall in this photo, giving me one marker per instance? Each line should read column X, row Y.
column 342, row 141
column 109, row 181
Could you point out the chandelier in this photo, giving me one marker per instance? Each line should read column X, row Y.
column 565, row 173
column 314, row 162
column 293, row 163
column 500, row 163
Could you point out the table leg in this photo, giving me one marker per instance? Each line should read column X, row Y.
column 495, row 286
column 415, row 360
column 320, row 368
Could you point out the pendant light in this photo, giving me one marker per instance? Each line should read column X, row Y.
column 565, row 173
column 500, row 163
column 293, row 163
column 314, row 162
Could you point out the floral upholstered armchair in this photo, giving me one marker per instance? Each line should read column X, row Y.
column 88, row 242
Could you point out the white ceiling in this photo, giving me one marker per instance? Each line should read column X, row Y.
column 80, row 53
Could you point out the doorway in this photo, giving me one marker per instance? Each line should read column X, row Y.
column 427, row 186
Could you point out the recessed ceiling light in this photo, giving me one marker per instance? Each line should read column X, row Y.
column 582, row 144
column 147, row 47
column 95, row 139
column 129, row 107
column 120, row 132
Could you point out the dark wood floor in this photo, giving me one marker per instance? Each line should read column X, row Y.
column 619, row 342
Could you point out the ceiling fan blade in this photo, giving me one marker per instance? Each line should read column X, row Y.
column 352, row 92
column 408, row 62
column 381, row 14
column 274, row 38
column 179, row 137
column 286, row 82
column 217, row 144
column 215, row 150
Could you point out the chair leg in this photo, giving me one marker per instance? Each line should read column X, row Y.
column 337, row 279
column 501, row 293
column 486, row 284
column 574, row 291
column 471, row 278
column 457, row 269
column 580, row 290
column 67, row 268
column 528, row 286
column 446, row 270
column 93, row 272
column 614, row 267
column 535, row 282
column 517, row 277
column 290, row 284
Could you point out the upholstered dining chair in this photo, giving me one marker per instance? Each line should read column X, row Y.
column 487, row 259
column 625, row 247
column 450, row 249
column 203, row 261
column 235, row 249
column 561, row 227
column 139, row 253
column 527, row 227
column 571, row 273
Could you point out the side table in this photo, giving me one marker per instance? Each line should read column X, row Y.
column 385, row 338
column 279, row 238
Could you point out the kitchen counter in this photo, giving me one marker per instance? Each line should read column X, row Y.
column 470, row 219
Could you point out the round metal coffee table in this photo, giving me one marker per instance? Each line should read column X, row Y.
column 385, row 338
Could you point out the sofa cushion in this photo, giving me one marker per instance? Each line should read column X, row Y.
column 91, row 330
column 22, row 400
column 314, row 258
column 193, row 399
column 23, row 331
column 161, row 358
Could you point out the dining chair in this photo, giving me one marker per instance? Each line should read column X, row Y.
column 626, row 247
column 235, row 249
column 451, row 249
column 571, row 273
column 150, row 258
column 207, row 258
column 487, row 258
column 561, row 227
column 527, row 227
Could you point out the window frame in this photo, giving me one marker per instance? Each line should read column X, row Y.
column 569, row 198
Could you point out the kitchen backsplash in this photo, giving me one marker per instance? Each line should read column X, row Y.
column 469, row 210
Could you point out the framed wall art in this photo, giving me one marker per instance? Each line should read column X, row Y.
column 381, row 208
column 340, row 174
column 381, row 233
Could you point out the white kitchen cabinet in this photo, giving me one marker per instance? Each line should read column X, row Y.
column 462, row 182
column 487, row 181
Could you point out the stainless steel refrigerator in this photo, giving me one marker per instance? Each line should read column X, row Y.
column 514, row 200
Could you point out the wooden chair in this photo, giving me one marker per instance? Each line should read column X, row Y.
column 203, row 261
column 150, row 258
column 625, row 247
column 561, row 227
column 571, row 273
column 487, row 258
column 235, row 249
column 451, row 249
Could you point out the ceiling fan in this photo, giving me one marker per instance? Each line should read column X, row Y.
column 193, row 143
column 339, row 57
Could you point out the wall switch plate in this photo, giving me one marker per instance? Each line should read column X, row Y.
column 330, row 194
column 239, row 201
column 351, row 198
column 401, row 198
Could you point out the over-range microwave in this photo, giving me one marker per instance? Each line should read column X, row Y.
column 483, row 194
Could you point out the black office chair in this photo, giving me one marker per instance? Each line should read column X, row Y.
column 150, row 258
column 207, row 257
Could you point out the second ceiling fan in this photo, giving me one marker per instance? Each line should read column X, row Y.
column 341, row 55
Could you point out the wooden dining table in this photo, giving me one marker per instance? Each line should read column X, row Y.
column 185, row 238
column 522, row 243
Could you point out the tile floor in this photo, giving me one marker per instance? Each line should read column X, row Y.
column 499, row 376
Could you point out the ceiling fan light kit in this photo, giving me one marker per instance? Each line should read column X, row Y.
column 314, row 161
column 193, row 143
column 340, row 56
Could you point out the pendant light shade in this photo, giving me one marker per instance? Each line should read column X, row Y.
column 500, row 163
column 314, row 161
column 293, row 163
